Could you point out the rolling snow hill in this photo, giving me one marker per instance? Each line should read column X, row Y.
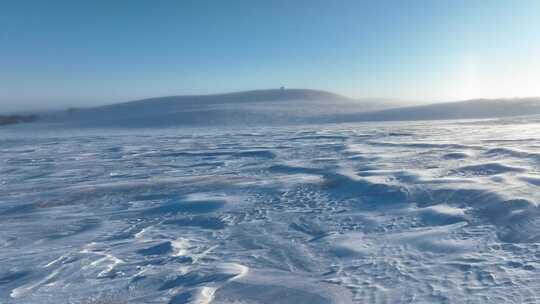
column 281, row 107
column 469, row 109
column 277, row 106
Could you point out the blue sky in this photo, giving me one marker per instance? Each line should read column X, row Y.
column 58, row 53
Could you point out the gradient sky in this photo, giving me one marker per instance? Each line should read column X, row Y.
column 60, row 53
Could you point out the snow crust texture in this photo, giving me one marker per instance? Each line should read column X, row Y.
column 354, row 213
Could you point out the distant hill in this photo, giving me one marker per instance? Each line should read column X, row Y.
column 280, row 107
column 275, row 106
column 469, row 109
column 238, row 97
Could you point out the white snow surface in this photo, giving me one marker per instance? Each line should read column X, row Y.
column 415, row 212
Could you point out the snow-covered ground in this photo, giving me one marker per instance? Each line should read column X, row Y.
column 432, row 212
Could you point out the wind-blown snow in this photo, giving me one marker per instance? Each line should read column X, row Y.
column 362, row 213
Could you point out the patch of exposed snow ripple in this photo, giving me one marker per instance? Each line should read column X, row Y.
column 355, row 213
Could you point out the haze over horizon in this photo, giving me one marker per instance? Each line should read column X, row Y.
column 67, row 53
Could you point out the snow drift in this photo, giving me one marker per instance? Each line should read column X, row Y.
column 423, row 212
